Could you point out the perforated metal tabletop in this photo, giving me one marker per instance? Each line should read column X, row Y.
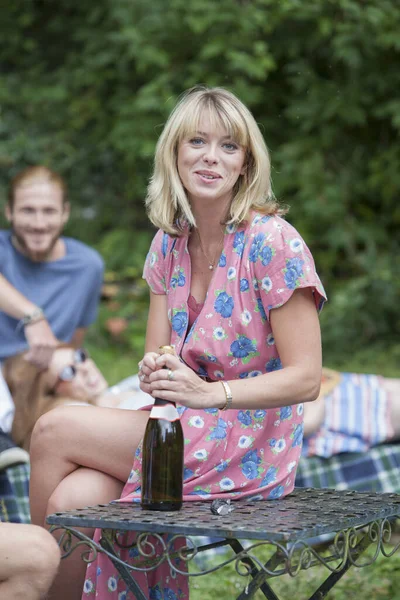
column 354, row 520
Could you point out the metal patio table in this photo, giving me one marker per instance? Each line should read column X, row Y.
column 289, row 526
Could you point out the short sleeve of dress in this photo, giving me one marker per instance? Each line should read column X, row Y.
column 155, row 266
column 282, row 264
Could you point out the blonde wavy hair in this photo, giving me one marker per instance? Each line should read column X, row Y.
column 167, row 204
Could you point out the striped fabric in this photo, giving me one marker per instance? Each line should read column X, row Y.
column 356, row 417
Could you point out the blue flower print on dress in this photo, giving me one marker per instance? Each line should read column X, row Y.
column 187, row 473
column 88, row 586
column 181, row 409
column 245, row 418
column 219, row 334
column 244, row 348
column 250, row 465
column 226, row 484
column 222, row 260
column 164, row 244
column 260, row 308
column 207, row 356
column 169, row 594
column 276, row 492
column 224, row 305
column 293, row 270
column 259, row 414
column 266, row 255
column 203, row 493
column 274, row 364
column 224, row 464
column 155, row 593
column 133, row 552
column 277, row 446
column 239, row 243
column 218, row 432
column 285, row 412
column 112, row 584
column 179, row 322
column 202, row 371
column 256, row 247
column 178, row 279
column 211, row 411
column 244, row 284
column 297, row 435
column 231, row 275
column 244, row 375
column 270, row 476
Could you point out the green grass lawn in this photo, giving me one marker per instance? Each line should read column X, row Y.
column 380, row 581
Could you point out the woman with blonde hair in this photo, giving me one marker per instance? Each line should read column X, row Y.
column 72, row 378
column 233, row 287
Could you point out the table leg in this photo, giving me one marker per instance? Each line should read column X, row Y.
column 259, row 576
column 333, row 578
column 123, row 571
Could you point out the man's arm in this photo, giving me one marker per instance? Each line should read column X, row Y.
column 78, row 337
column 40, row 338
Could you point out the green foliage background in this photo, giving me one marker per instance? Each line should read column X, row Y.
column 85, row 88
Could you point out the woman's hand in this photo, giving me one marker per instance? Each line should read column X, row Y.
column 166, row 377
column 146, row 367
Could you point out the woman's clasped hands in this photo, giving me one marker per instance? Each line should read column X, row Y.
column 165, row 376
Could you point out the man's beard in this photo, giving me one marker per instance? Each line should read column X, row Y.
column 41, row 256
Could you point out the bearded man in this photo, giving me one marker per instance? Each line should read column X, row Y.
column 49, row 284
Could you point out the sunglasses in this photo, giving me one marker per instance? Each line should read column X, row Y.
column 69, row 371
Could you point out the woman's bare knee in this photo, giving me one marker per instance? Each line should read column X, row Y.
column 53, row 432
column 46, row 431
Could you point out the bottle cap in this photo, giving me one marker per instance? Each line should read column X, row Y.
column 167, row 350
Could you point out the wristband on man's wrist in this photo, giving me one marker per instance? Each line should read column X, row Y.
column 30, row 318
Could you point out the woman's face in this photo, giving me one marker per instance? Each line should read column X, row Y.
column 85, row 380
column 210, row 163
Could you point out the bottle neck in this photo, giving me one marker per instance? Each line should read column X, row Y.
column 164, row 409
column 160, row 402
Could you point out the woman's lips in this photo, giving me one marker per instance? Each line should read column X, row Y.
column 208, row 176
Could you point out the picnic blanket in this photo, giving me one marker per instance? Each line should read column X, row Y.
column 14, row 494
column 377, row 470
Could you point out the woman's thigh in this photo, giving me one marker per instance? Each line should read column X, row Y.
column 98, row 438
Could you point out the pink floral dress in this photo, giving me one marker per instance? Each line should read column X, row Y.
column 234, row 454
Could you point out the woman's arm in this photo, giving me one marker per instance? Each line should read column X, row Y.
column 158, row 332
column 296, row 330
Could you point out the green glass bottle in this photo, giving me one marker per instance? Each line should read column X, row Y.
column 162, row 466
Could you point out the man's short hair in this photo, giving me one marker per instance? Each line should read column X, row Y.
column 33, row 175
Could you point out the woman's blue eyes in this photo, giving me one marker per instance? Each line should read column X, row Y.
column 196, row 141
column 228, row 145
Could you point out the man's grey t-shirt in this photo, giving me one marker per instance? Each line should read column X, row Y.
column 68, row 290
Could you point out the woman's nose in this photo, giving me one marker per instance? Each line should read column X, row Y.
column 210, row 155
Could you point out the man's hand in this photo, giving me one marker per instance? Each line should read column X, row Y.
column 42, row 343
